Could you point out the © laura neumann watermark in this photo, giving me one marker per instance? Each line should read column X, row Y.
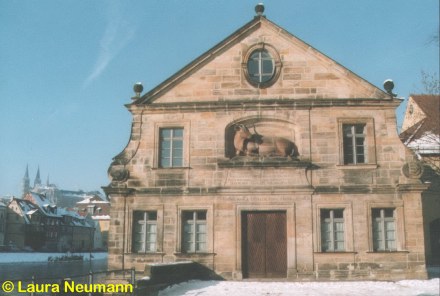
column 67, row 286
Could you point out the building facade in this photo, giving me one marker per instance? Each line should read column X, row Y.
column 25, row 225
column 265, row 158
column 98, row 210
column 34, row 223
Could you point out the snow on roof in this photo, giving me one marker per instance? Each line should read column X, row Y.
column 80, row 194
column 90, row 201
column 428, row 143
column 32, row 212
column 101, row 217
column 25, row 207
column 39, row 199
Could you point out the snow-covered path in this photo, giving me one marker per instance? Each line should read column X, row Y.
column 230, row 288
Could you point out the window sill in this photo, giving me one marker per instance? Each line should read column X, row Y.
column 201, row 254
column 171, row 168
column 255, row 161
column 337, row 252
column 365, row 166
column 387, row 252
column 146, row 253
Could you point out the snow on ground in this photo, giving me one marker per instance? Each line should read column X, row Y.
column 13, row 257
column 245, row 288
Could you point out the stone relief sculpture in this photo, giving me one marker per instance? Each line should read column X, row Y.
column 254, row 144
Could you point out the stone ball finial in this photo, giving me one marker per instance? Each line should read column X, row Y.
column 259, row 9
column 388, row 85
column 138, row 88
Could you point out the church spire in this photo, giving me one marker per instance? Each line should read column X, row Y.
column 26, row 182
column 37, row 181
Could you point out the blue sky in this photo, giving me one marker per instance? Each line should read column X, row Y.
column 67, row 67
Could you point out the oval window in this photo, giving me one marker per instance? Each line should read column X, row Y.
column 261, row 66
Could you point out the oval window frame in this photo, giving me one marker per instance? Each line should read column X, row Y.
column 276, row 60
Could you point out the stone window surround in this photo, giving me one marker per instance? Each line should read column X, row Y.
column 335, row 242
column 147, row 221
column 159, row 222
column 194, row 219
column 209, row 228
column 370, row 143
column 382, row 217
column 399, row 224
column 348, row 225
column 277, row 64
column 185, row 124
column 170, row 157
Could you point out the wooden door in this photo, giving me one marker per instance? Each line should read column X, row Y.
column 264, row 244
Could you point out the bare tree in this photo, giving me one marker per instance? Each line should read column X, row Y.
column 434, row 38
column 430, row 83
column 428, row 149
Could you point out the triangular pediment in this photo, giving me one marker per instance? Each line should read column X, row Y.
column 220, row 73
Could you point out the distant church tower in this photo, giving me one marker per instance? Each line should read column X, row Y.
column 26, row 182
column 37, row 181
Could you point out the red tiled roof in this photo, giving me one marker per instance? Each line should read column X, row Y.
column 430, row 105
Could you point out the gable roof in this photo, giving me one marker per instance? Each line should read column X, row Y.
column 227, row 43
column 430, row 105
column 25, row 207
column 430, row 124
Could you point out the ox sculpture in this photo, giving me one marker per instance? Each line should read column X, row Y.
column 249, row 144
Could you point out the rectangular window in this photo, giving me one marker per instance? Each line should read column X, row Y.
column 144, row 232
column 332, row 230
column 384, row 229
column 354, row 143
column 91, row 209
column 194, row 231
column 171, row 147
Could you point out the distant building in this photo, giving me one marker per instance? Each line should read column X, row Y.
column 37, row 181
column 36, row 223
column 3, row 213
column 61, row 197
column 421, row 128
column 26, row 182
column 421, row 133
column 25, row 225
column 99, row 211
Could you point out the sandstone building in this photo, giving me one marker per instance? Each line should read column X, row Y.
column 266, row 158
